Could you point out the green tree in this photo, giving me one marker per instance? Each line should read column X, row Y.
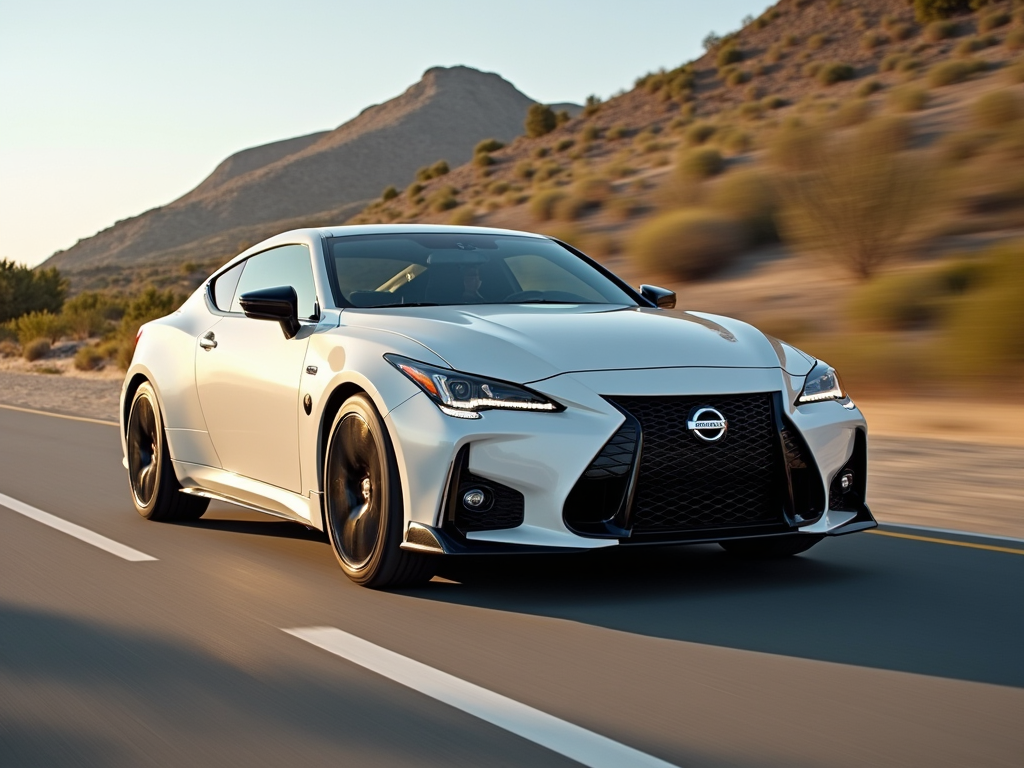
column 24, row 290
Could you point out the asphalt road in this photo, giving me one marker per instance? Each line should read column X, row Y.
column 869, row 650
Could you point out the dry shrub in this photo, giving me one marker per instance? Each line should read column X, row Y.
column 794, row 146
column 563, row 144
column 738, row 77
column 1014, row 73
column 699, row 133
column 871, row 40
column 900, row 31
column 540, row 120
column 590, row 133
column 702, row 163
column 773, row 102
column 993, row 21
column 464, row 216
column 728, row 55
column 483, row 159
column 569, row 208
column 867, row 88
column 950, row 72
column 890, row 133
column 956, row 147
column 997, row 108
column 811, row 69
column 593, row 190
column 774, row 54
column 688, row 245
column 939, row 30
column 9, row 348
column 860, row 198
column 524, row 170
column 749, row 196
column 622, row 208
column 488, row 145
column 616, row 132
column 88, row 358
column 834, row 72
column 853, row 112
column 816, row 42
column 751, row 110
column 35, row 349
column 542, row 204
column 908, row 98
column 38, row 325
column 547, row 171
column 736, row 141
column 1015, row 40
column 413, row 190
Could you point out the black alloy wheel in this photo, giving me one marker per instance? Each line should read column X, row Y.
column 771, row 547
column 155, row 489
column 363, row 498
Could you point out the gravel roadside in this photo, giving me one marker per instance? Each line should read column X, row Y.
column 969, row 486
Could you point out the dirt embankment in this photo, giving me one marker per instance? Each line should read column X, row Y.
column 932, row 463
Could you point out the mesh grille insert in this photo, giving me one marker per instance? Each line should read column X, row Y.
column 506, row 510
column 686, row 484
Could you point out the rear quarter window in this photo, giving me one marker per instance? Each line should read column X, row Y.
column 224, row 286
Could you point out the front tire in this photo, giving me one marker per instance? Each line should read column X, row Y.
column 154, row 488
column 364, row 506
column 770, row 547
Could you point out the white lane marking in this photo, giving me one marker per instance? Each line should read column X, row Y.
column 559, row 736
column 71, row 529
column 952, row 531
column 59, row 415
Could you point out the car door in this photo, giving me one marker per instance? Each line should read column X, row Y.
column 248, row 371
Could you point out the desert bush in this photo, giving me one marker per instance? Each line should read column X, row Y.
column 997, row 108
column 891, row 62
column 569, row 208
column 983, row 332
column 38, row 325
column 483, row 160
column 811, row 69
column 540, row 120
column 728, row 55
column 901, row 31
column 750, row 197
column 590, row 133
column 687, row 245
column 1015, row 40
column 9, row 348
column 1014, row 73
column 35, row 349
column 735, row 141
column 622, row 208
column 867, row 88
column 389, row 193
column 616, row 132
column 524, row 170
column 908, row 98
column 871, row 40
column 936, row 10
column 541, row 152
column 542, row 204
column 548, row 170
column 774, row 102
column 950, row 72
column 24, row 290
column 443, row 200
column 793, row 145
column 88, row 358
column 563, row 144
column 853, row 112
column 413, row 189
column 889, row 133
column 738, row 77
column 593, row 190
column 968, row 46
column 751, row 110
column 498, row 187
column 939, row 30
column 774, row 54
column 463, row 216
column 834, row 72
column 702, row 163
column 428, row 172
column 699, row 133
column 859, row 199
column 488, row 145
column 816, row 42
column 994, row 20
column 963, row 145
column 90, row 314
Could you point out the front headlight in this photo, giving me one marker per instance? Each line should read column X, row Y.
column 463, row 395
column 822, row 384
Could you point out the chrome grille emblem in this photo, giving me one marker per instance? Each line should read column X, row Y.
column 707, row 424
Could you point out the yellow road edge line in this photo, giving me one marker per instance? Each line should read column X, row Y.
column 989, row 547
column 59, row 415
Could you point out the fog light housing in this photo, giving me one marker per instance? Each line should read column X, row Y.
column 846, row 480
column 474, row 499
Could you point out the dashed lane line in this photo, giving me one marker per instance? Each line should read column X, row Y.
column 572, row 741
column 71, row 529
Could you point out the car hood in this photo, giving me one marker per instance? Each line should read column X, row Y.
column 529, row 342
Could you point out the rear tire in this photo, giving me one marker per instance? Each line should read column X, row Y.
column 155, row 490
column 771, row 547
column 363, row 499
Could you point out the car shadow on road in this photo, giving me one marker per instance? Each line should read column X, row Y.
column 864, row 600
column 232, row 519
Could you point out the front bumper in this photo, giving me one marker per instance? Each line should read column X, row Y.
column 542, row 456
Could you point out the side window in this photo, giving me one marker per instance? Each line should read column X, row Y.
column 285, row 265
column 224, row 287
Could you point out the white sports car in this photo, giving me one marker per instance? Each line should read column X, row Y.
column 420, row 391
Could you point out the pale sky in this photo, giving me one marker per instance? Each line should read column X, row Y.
column 109, row 108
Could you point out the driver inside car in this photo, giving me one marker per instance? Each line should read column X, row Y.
column 471, row 285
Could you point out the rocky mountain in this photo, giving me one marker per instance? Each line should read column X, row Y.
column 320, row 178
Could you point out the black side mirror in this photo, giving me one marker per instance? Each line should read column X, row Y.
column 662, row 298
column 280, row 304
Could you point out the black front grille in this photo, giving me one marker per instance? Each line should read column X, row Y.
column 686, row 484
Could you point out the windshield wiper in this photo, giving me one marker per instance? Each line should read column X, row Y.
column 547, row 301
column 412, row 304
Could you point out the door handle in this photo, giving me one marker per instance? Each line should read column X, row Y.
column 208, row 342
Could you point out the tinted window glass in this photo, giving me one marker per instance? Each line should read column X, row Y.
column 287, row 265
column 403, row 269
column 224, row 287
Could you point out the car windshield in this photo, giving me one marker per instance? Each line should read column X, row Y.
column 390, row 270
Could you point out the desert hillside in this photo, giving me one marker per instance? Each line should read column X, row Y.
column 325, row 177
